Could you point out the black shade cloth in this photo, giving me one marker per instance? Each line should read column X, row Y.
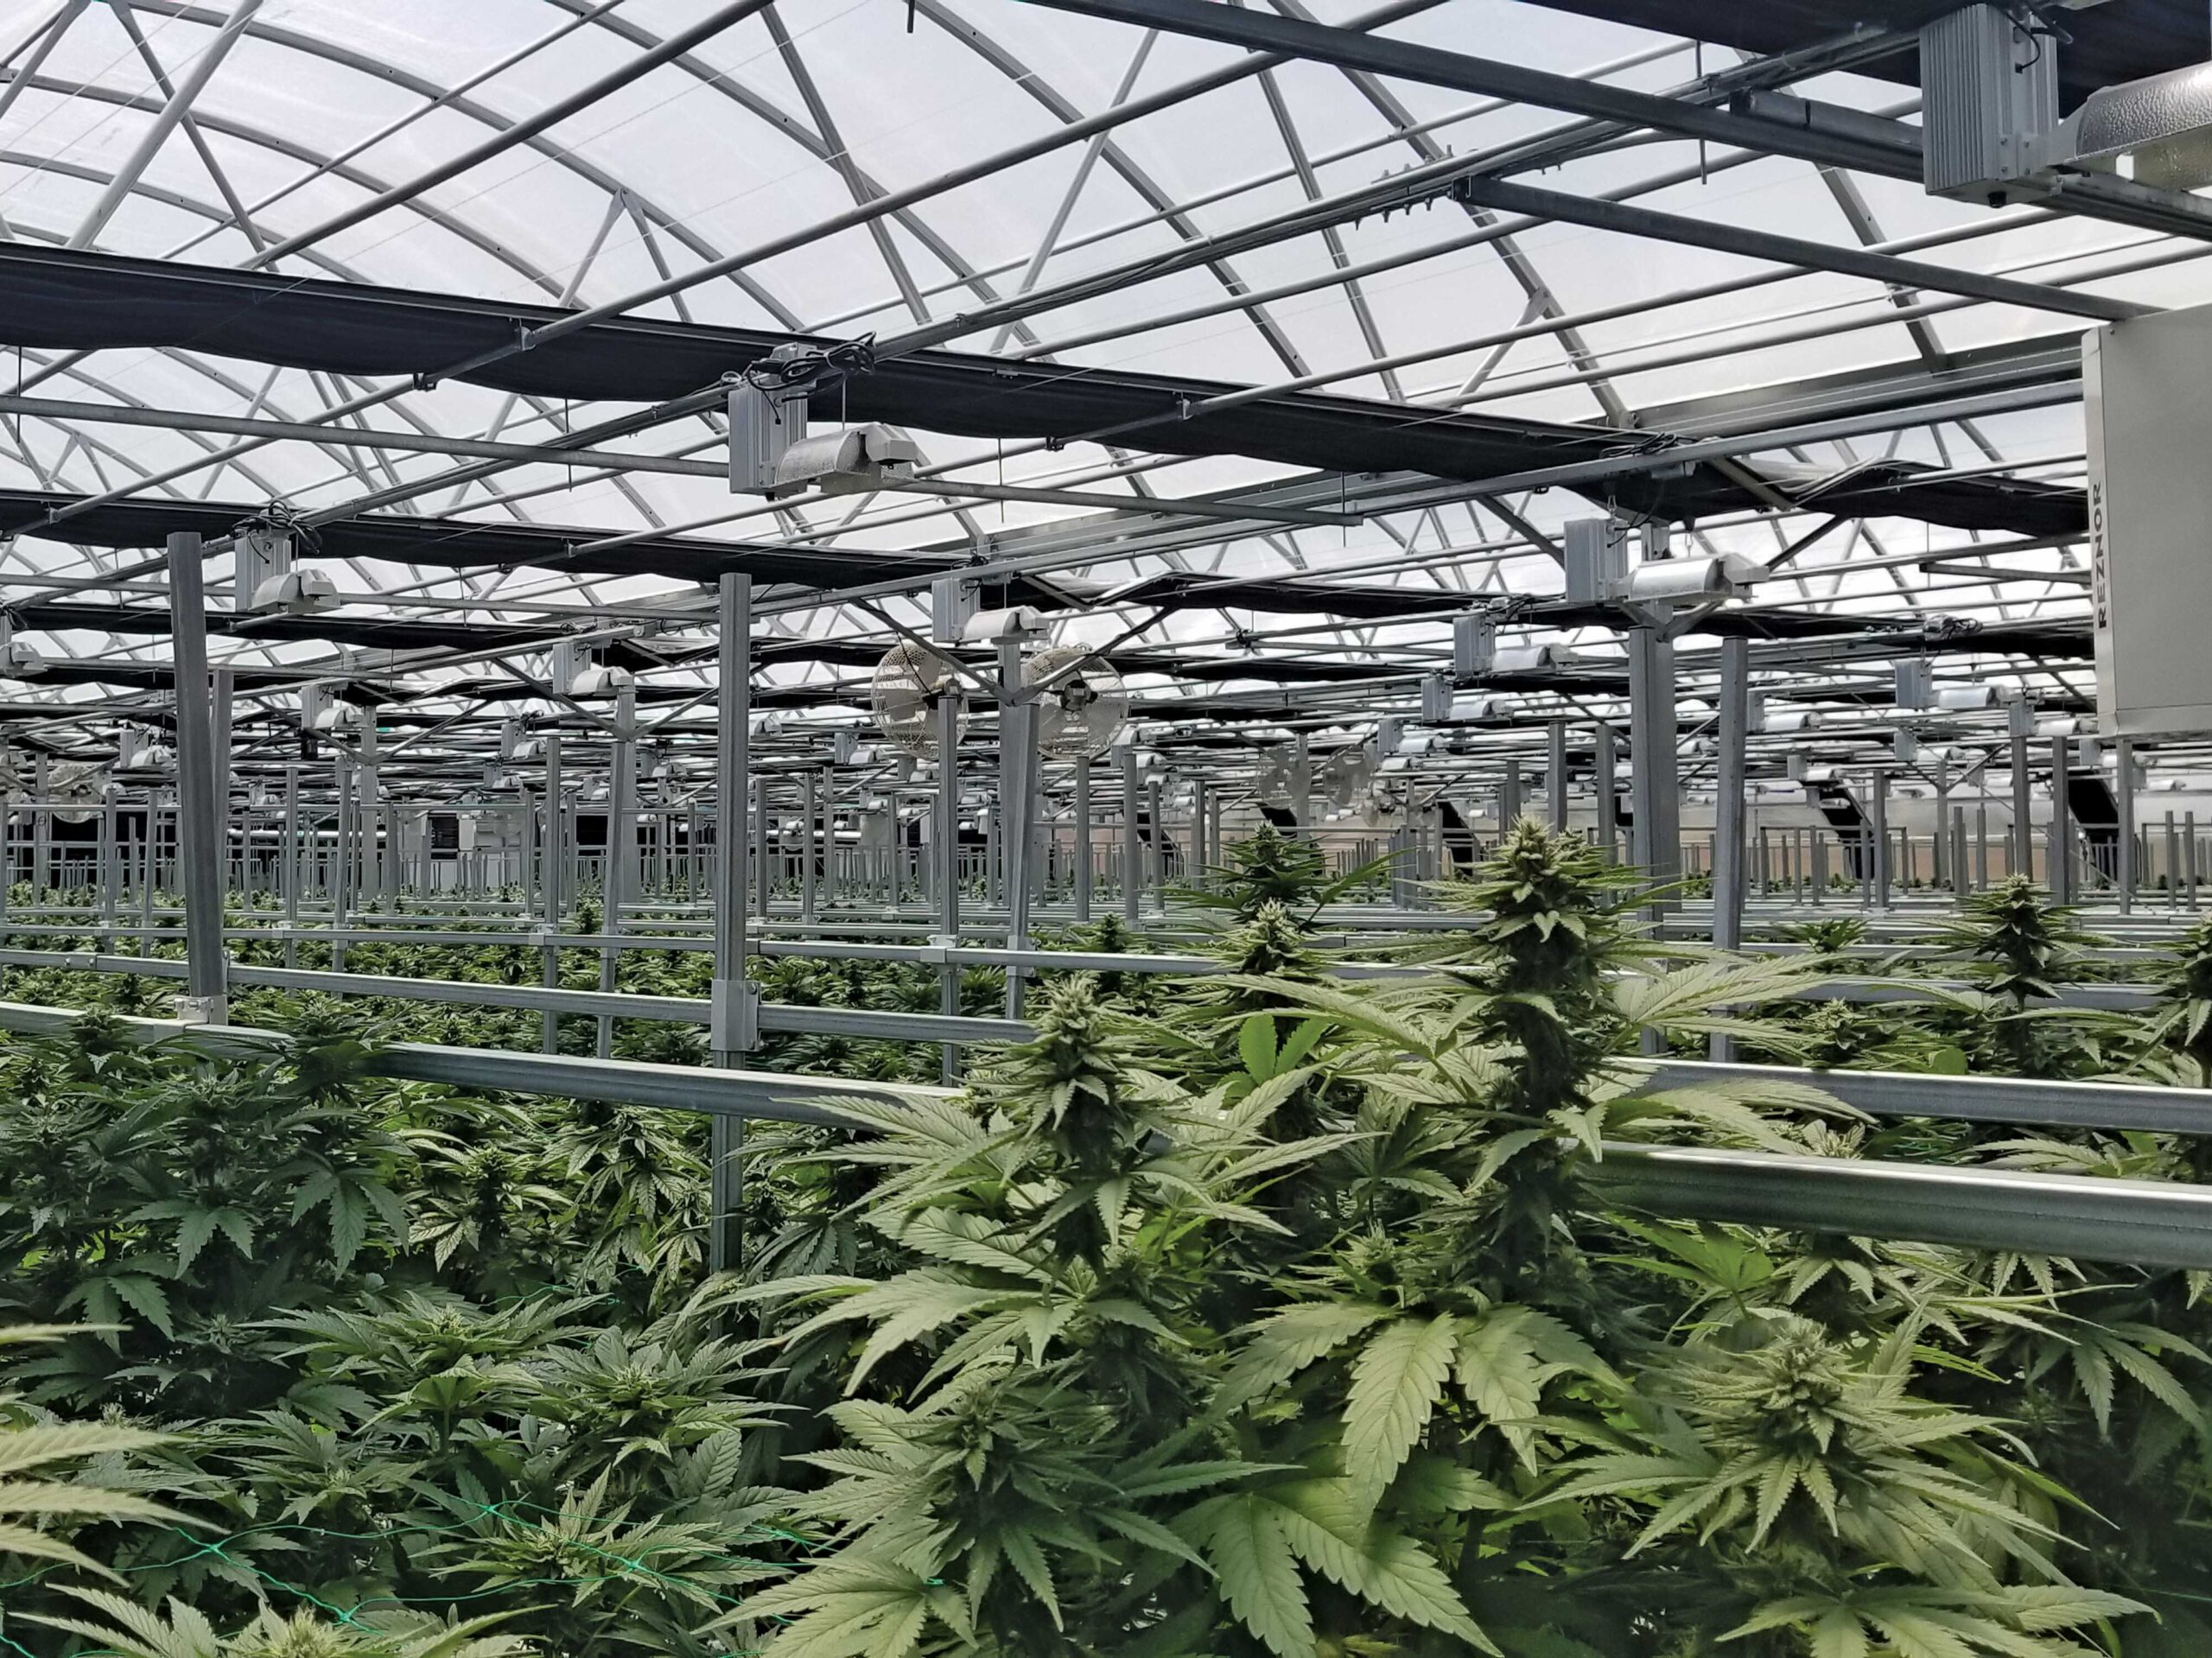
column 458, row 545
column 373, row 632
column 56, row 298
column 2110, row 43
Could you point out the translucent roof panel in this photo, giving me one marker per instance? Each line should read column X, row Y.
column 1005, row 179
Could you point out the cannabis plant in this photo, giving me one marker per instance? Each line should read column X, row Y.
column 1273, row 868
column 1036, row 1458
column 2021, row 947
column 38, row 1499
column 125, row 1628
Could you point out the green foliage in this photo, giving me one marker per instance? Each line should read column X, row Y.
column 1271, row 867
column 1269, row 1313
column 410, row 1349
column 36, row 1488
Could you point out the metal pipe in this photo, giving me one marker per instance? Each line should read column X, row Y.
column 617, row 881
column 1132, row 849
column 2123, row 876
column 1083, row 875
column 2062, row 823
column 1655, row 832
column 199, row 821
column 1734, row 713
column 552, row 868
column 1555, row 775
column 810, row 801
column 291, row 869
column 111, row 871
column 1156, row 861
column 945, row 858
column 1017, row 790
column 733, row 1031
column 1878, row 876
column 1559, row 207
column 179, row 103
column 675, row 46
column 1606, row 781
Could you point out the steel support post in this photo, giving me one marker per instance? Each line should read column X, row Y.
column 223, row 682
column 1508, row 796
column 9, row 786
column 994, row 849
column 1939, row 860
column 292, row 866
column 110, row 865
column 552, row 884
column 149, row 862
column 1082, row 875
column 1132, row 844
column 1555, row 775
column 343, row 867
column 1194, row 863
column 1606, row 781
column 2061, row 825
column 1728, row 811
column 1878, row 874
column 1155, row 796
column 41, row 827
column 1017, row 809
column 368, row 816
column 616, row 882
column 762, row 877
column 946, row 856
column 2023, row 843
column 1655, row 799
column 735, row 1029
column 198, row 817
column 2123, row 792
column 810, row 840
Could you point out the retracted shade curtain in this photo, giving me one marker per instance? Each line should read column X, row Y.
column 67, row 300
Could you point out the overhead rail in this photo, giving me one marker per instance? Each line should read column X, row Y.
column 1827, row 136
column 83, row 301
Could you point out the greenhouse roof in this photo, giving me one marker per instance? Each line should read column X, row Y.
column 1218, row 357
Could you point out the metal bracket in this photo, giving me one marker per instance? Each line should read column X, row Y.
column 203, row 1010
column 733, row 1015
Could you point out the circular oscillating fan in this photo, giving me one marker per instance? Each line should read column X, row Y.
column 1078, row 716
column 68, row 783
column 909, row 684
column 71, row 782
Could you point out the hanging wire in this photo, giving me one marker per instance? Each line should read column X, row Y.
column 846, row 358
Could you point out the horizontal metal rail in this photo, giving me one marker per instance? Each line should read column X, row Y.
column 2025, row 1101
column 864, row 1022
column 1990, row 1099
column 2147, row 1223
column 769, row 1096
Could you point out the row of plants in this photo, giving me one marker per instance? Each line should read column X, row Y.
column 2014, row 948
column 1268, row 1312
